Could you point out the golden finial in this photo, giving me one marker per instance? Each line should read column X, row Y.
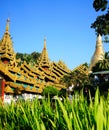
column 7, row 25
column 45, row 42
column 99, row 38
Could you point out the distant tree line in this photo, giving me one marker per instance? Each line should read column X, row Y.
column 29, row 58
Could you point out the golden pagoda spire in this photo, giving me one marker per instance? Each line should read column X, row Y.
column 45, row 43
column 6, row 48
column 43, row 60
column 7, row 25
column 99, row 52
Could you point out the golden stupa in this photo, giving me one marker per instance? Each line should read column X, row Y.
column 99, row 52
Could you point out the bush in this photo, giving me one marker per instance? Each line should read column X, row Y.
column 50, row 91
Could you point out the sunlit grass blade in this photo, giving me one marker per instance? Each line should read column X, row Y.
column 65, row 116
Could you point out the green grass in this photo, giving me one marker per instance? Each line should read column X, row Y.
column 77, row 114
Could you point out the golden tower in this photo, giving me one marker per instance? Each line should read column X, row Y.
column 6, row 48
column 99, row 52
column 43, row 60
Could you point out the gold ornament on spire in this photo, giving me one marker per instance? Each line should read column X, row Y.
column 7, row 25
column 45, row 43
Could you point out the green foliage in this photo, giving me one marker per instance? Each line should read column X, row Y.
column 100, row 5
column 106, row 40
column 102, row 64
column 101, row 24
column 76, row 77
column 50, row 91
column 77, row 114
column 62, row 93
column 29, row 58
column 67, row 79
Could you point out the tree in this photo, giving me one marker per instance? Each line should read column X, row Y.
column 62, row 93
column 67, row 80
column 100, row 5
column 102, row 64
column 29, row 58
column 77, row 77
column 35, row 55
column 50, row 91
column 101, row 24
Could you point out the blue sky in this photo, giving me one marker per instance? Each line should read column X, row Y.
column 64, row 23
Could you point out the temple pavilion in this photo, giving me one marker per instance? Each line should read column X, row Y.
column 26, row 79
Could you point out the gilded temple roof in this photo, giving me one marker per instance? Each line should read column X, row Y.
column 24, row 77
column 82, row 68
column 6, row 45
column 44, row 60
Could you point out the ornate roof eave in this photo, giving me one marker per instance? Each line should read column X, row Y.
column 30, row 71
column 32, row 90
column 65, row 70
column 82, row 68
column 8, row 90
column 6, row 56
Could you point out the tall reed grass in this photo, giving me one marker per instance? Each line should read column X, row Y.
column 77, row 114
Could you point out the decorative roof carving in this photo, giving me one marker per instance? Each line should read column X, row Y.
column 82, row 68
column 8, row 89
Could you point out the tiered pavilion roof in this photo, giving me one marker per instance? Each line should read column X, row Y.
column 25, row 77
